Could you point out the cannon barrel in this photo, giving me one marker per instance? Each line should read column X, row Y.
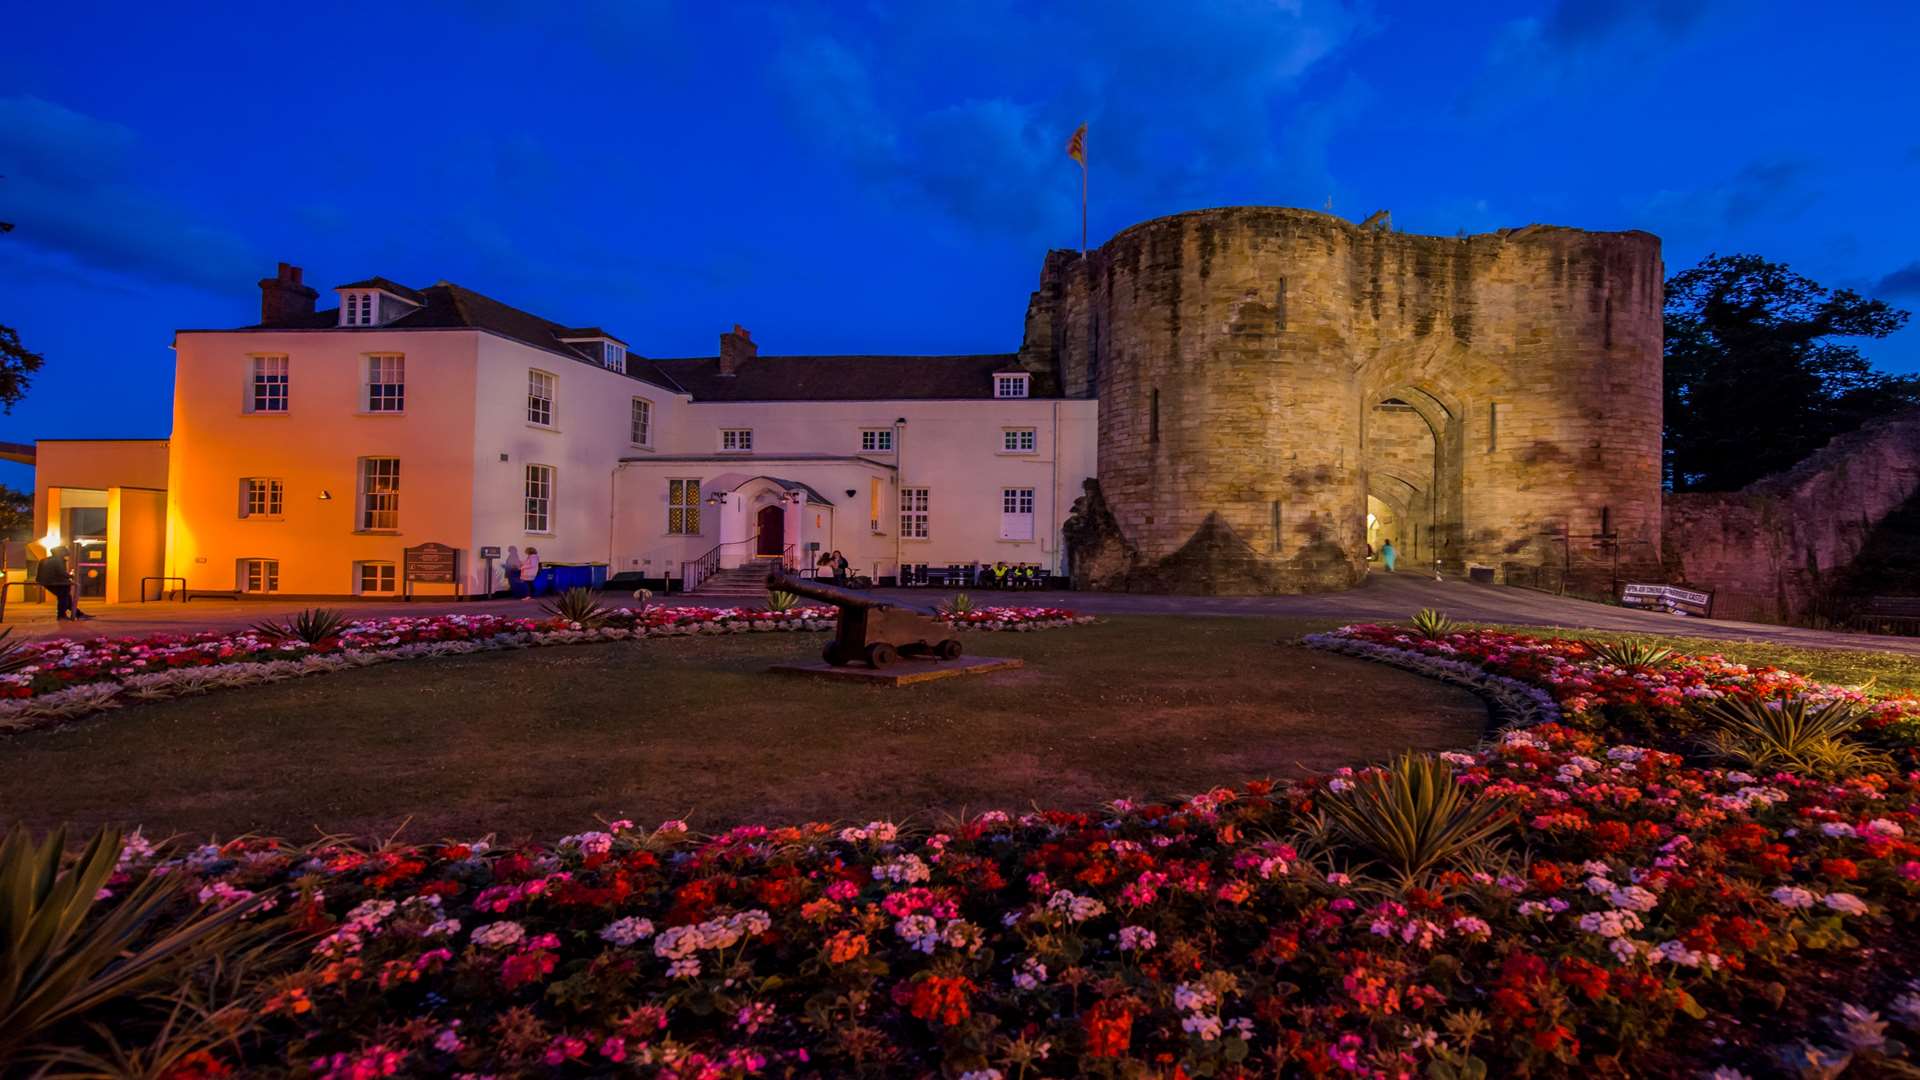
column 833, row 594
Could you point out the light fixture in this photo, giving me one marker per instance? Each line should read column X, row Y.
column 325, row 495
column 718, row 498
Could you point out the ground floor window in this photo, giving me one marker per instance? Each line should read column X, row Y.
column 683, row 507
column 913, row 513
column 539, row 516
column 260, row 575
column 1016, row 513
column 376, row 577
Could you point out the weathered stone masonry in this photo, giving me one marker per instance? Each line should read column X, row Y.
column 1240, row 356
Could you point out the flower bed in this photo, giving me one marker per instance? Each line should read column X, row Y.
column 1646, row 918
column 67, row 678
column 1640, row 703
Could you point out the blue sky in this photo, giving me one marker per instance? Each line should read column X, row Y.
column 882, row 177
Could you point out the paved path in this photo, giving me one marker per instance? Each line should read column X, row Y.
column 1382, row 597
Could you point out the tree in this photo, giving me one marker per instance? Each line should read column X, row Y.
column 1755, row 381
column 16, row 514
column 17, row 365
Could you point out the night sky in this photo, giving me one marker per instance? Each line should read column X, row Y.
column 882, row 177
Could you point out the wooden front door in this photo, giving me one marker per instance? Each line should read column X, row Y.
column 773, row 531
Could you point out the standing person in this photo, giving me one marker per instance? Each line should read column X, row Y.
column 825, row 566
column 530, row 569
column 512, row 566
column 1388, row 555
column 841, row 568
column 53, row 576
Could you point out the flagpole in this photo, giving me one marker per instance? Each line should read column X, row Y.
column 1083, row 206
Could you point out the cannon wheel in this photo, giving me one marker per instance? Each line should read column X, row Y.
column 880, row 654
column 831, row 654
column 948, row 649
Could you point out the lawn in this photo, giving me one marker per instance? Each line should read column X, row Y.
column 539, row 742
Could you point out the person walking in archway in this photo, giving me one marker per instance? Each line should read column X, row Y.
column 1388, row 555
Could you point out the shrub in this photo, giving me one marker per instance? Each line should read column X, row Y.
column 62, row 958
column 1792, row 734
column 1432, row 625
column 781, row 600
column 1412, row 817
column 578, row 606
column 1634, row 654
column 961, row 604
column 312, row 625
column 13, row 654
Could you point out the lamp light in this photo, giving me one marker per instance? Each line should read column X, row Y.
column 325, row 495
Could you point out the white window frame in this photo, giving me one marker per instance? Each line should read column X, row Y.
column 543, row 388
column 378, row 485
column 1013, row 438
column 736, row 440
column 1011, row 385
column 876, row 440
column 613, row 356
column 359, row 307
column 1016, row 513
column 683, row 499
column 386, row 384
column 915, row 513
column 272, row 498
column 640, row 422
column 537, row 488
column 267, row 372
column 259, row 576
column 388, row 587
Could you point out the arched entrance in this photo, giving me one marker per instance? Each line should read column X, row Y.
column 1412, row 443
column 771, row 523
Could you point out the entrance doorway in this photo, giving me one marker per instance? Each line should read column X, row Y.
column 87, row 540
column 772, row 523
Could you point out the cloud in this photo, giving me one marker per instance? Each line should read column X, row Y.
column 1182, row 102
column 1902, row 282
column 71, row 187
column 1578, row 45
column 1772, row 190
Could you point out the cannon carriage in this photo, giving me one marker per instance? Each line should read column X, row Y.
column 875, row 631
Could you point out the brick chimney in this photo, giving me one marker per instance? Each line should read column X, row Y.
column 283, row 299
column 736, row 348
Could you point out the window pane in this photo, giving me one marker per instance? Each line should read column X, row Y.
column 380, row 493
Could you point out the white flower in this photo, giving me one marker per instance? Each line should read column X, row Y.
column 1137, row 939
column 1202, row 1024
column 1836, row 828
column 1882, row 827
column 677, row 943
column 1076, row 908
column 624, row 932
column 1860, row 1029
column 1031, row 974
column 499, row 935
column 1190, row 998
column 1791, row 896
column 1610, row 924
column 1623, row 949
column 1471, row 926
column 904, row 870
column 1845, row 903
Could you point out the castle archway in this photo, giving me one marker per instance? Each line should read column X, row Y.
column 1411, row 438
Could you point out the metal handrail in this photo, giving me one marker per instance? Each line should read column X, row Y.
column 693, row 572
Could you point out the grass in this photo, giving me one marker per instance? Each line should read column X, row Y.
column 538, row 743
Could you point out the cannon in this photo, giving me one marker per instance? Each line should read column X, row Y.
column 874, row 630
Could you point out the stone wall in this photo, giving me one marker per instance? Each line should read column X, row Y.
column 1238, row 355
column 1775, row 549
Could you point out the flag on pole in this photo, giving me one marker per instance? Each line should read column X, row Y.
column 1077, row 150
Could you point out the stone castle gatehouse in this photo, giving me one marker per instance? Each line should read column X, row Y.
column 1280, row 389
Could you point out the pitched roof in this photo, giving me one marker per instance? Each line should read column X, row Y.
column 446, row 306
column 385, row 285
column 839, row 378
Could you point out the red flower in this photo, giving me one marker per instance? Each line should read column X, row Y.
column 1109, row 1029
column 942, row 998
column 1842, row 869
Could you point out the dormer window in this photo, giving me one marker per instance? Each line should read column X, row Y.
column 598, row 347
column 357, row 308
column 1010, row 384
column 613, row 356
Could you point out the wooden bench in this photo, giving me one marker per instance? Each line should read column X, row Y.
column 1889, row 615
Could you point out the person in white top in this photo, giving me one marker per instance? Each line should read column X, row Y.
column 530, row 570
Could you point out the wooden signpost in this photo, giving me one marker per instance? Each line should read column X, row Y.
column 431, row 564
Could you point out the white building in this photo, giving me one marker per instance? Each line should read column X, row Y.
column 310, row 450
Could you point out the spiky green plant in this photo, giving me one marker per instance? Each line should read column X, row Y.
column 312, row 625
column 14, row 655
column 1791, row 734
column 1634, row 654
column 961, row 604
column 1411, row 816
column 578, row 605
column 781, row 600
column 64, row 952
column 1432, row 625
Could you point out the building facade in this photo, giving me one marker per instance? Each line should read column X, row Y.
column 1250, row 399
